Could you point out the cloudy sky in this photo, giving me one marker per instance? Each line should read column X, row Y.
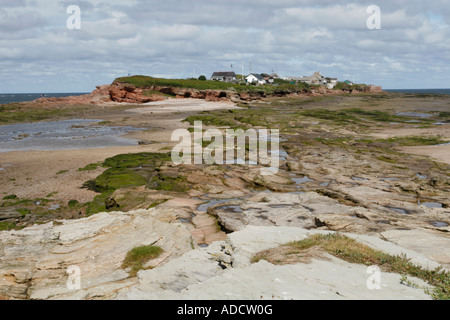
column 181, row 38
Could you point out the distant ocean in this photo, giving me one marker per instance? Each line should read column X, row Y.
column 426, row 91
column 24, row 97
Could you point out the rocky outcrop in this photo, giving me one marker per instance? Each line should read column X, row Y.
column 375, row 89
column 120, row 92
column 34, row 262
column 40, row 262
column 224, row 271
column 99, row 96
column 126, row 93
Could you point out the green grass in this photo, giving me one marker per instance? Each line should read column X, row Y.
column 387, row 159
column 23, row 212
column 73, row 203
column 21, row 112
column 353, row 115
column 149, row 82
column 90, row 167
column 145, row 81
column 10, row 197
column 352, row 251
column 139, row 256
column 132, row 170
column 211, row 120
column 414, row 141
column 336, row 116
column 375, row 115
column 98, row 204
column 7, row 226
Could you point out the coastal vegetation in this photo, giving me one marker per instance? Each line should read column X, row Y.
column 352, row 251
column 147, row 82
column 136, row 258
column 132, row 170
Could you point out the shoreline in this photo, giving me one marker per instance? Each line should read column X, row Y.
column 339, row 174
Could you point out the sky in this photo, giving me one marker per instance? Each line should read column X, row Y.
column 43, row 49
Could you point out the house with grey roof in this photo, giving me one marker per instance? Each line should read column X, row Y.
column 316, row 79
column 225, row 76
column 256, row 79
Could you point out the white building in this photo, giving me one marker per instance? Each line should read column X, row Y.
column 256, row 79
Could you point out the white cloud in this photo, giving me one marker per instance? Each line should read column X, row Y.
column 294, row 37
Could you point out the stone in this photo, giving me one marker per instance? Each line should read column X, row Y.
column 284, row 209
column 208, row 273
column 35, row 260
column 9, row 213
column 432, row 244
column 110, row 203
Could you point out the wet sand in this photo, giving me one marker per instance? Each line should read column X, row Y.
column 36, row 174
column 439, row 153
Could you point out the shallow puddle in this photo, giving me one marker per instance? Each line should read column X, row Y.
column 415, row 114
column 210, row 203
column 54, row 207
column 63, row 135
column 302, row 180
column 236, row 209
column 439, row 224
column 399, row 210
column 431, row 205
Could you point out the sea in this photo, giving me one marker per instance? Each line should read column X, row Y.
column 25, row 97
column 423, row 91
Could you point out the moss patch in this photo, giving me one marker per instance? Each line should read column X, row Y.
column 139, row 256
column 133, row 170
column 90, row 167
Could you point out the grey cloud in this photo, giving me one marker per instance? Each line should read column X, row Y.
column 171, row 37
column 20, row 20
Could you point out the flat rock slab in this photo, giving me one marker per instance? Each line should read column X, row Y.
column 205, row 273
column 434, row 245
column 34, row 262
column 9, row 213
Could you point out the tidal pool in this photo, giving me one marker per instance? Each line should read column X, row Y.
column 63, row 135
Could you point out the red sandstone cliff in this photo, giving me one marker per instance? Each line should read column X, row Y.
column 125, row 93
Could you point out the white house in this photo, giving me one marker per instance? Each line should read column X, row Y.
column 255, row 78
column 331, row 82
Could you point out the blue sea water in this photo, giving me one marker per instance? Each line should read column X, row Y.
column 24, row 97
column 424, row 91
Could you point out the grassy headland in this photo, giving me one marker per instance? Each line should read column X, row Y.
column 147, row 82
